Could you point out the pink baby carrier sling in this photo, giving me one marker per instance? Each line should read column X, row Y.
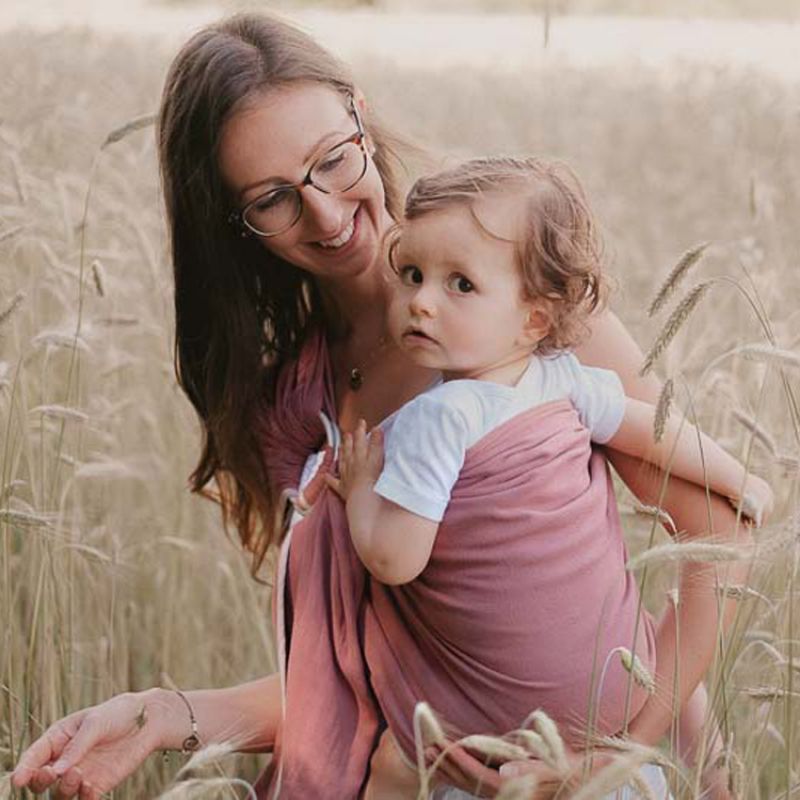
column 529, row 553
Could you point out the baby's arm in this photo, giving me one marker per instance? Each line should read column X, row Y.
column 394, row 544
column 690, row 454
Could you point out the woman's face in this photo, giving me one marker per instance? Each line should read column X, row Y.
column 272, row 142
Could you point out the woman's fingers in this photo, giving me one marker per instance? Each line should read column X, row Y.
column 335, row 484
column 39, row 780
column 48, row 747
column 464, row 771
column 69, row 785
column 86, row 736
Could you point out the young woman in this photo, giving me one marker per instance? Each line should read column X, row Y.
column 278, row 273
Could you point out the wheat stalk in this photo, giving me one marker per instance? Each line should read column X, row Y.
column 7, row 234
column 663, row 409
column 766, row 353
column 60, row 339
column 135, row 124
column 633, row 666
column 519, row 788
column 758, row 432
column 690, row 551
column 97, row 276
column 616, row 774
column 61, row 412
column 548, row 730
column 15, row 303
column 674, row 324
column 676, row 275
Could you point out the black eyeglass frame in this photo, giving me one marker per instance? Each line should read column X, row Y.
column 238, row 218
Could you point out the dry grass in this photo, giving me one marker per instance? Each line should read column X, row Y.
column 113, row 576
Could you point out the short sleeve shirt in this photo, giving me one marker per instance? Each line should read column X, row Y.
column 427, row 439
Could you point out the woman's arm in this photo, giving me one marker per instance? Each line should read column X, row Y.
column 686, row 635
column 394, row 544
column 95, row 749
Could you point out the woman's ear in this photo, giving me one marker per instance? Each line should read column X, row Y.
column 363, row 108
column 537, row 325
column 360, row 100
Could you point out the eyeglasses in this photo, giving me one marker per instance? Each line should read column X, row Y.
column 337, row 170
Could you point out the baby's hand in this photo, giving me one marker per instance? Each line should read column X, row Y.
column 757, row 500
column 360, row 460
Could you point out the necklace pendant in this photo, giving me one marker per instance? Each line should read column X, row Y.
column 356, row 379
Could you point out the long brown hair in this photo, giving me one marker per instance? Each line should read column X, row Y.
column 240, row 312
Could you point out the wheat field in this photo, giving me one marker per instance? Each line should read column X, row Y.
column 114, row 577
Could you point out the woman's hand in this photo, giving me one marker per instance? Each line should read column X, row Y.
column 91, row 751
column 360, row 460
column 465, row 771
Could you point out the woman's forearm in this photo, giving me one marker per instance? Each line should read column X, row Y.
column 246, row 716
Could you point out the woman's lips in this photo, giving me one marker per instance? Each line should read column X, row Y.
column 351, row 243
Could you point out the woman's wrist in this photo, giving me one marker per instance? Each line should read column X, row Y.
column 169, row 718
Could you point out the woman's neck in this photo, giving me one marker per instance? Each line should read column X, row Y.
column 357, row 304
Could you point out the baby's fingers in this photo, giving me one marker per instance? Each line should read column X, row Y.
column 360, row 441
column 375, row 450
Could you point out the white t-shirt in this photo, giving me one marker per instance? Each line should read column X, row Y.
column 426, row 439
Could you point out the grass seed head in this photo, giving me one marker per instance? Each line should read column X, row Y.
column 662, row 410
column 16, row 302
column 765, row 353
column 690, row 551
column 675, row 322
column 548, row 730
column 429, row 727
column 136, row 124
column 676, row 275
column 634, row 666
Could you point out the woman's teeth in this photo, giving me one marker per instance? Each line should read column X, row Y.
column 342, row 239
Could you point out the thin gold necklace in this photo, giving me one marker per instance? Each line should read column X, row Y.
column 355, row 378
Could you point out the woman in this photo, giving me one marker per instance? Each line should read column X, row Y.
column 279, row 185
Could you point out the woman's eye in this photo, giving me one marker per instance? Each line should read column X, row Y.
column 460, row 284
column 332, row 162
column 411, row 275
column 272, row 200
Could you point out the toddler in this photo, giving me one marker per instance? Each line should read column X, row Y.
column 489, row 481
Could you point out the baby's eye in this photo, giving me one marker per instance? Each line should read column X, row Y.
column 458, row 283
column 411, row 275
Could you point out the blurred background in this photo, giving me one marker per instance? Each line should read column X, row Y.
column 683, row 120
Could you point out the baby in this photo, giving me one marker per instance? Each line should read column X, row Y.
column 498, row 269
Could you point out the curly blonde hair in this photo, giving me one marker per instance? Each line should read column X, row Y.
column 558, row 250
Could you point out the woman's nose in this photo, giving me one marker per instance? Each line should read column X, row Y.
column 324, row 213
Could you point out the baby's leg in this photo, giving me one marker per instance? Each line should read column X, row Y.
column 390, row 776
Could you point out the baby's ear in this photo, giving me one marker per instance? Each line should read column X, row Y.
column 538, row 324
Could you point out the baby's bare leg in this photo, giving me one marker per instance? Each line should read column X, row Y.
column 390, row 776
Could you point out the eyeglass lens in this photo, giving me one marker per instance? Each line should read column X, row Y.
column 338, row 170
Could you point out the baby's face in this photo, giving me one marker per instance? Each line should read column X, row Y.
column 457, row 304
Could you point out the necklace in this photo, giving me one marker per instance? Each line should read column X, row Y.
column 356, row 377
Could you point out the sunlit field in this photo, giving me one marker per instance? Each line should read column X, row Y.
column 114, row 578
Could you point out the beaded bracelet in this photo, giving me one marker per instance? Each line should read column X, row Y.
column 191, row 742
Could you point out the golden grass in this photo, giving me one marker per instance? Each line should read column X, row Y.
column 113, row 577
